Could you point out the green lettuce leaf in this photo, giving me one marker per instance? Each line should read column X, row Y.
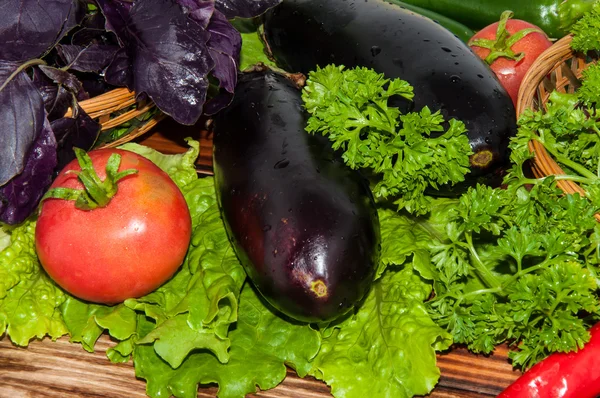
column 28, row 298
column 195, row 310
column 402, row 237
column 4, row 237
column 262, row 344
column 253, row 48
column 386, row 349
column 180, row 167
column 86, row 322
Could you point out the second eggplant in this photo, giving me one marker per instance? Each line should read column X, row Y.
column 445, row 74
column 303, row 224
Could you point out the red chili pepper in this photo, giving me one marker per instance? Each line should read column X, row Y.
column 562, row 375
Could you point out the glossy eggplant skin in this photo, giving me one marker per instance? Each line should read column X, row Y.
column 445, row 73
column 302, row 223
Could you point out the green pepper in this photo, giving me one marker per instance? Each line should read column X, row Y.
column 462, row 31
column 554, row 17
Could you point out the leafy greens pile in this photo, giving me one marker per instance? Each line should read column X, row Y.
column 351, row 108
column 208, row 325
column 518, row 264
column 55, row 53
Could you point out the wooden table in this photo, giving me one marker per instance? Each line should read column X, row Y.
column 60, row 369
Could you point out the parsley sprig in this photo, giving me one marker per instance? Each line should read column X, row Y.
column 586, row 31
column 569, row 129
column 519, row 266
column 410, row 153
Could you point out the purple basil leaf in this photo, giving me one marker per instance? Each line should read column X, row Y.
column 62, row 102
column 21, row 117
column 29, row 28
column 93, row 84
column 199, row 10
column 22, row 194
column 80, row 131
column 223, row 36
column 170, row 58
column 93, row 31
column 225, row 70
column 225, row 44
column 69, row 52
column 75, row 18
column 56, row 98
column 119, row 72
column 65, row 79
column 244, row 8
column 218, row 102
column 116, row 13
column 93, row 58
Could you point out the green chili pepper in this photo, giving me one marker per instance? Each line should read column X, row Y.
column 462, row 31
column 554, row 17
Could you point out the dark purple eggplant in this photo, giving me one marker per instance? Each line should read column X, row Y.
column 302, row 223
column 445, row 73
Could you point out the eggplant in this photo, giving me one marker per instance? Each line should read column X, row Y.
column 302, row 223
column 445, row 73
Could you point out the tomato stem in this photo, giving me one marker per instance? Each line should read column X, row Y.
column 501, row 46
column 96, row 192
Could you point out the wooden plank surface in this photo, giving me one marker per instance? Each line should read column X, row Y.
column 60, row 369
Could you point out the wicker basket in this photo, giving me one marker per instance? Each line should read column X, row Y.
column 118, row 108
column 558, row 68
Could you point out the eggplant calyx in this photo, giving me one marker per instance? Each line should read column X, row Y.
column 319, row 288
column 501, row 46
column 96, row 192
column 481, row 159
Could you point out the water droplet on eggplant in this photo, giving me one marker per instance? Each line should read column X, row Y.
column 375, row 50
column 282, row 164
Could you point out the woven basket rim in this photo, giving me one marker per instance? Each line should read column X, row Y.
column 102, row 106
column 549, row 61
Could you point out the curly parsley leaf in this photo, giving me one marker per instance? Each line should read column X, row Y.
column 586, row 31
column 409, row 152
column 588, row 93
column 509, row 272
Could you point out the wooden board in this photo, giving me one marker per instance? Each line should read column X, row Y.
column 60, row 369
column 49, row 369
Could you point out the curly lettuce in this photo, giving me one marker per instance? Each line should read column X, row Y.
column 207, row 325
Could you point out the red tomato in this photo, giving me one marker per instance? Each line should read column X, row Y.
column 123, row 250
column 509, row 71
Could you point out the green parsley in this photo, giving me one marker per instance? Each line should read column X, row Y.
column 586, row 31
column 520, row 265
column 410, row 153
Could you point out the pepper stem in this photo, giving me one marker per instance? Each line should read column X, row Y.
column 502, row 45
column 96, row 192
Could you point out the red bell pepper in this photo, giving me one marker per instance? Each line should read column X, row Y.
column 562, row 375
